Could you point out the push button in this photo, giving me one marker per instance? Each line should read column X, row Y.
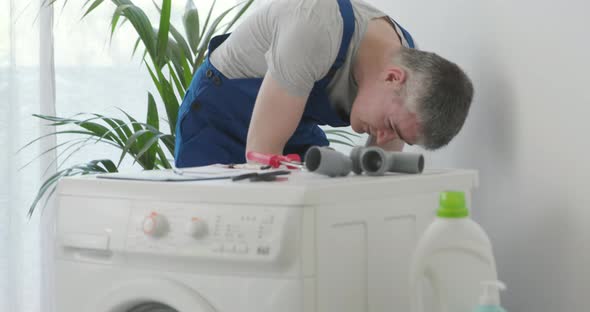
column 242, row 248
column 263, row 250
column 229, row 247
column 217, row 247
column 196, row 105
column 217, row 81
column 209, row 73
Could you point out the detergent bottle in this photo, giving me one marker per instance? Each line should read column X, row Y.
column 451, row 259
column 490, row 299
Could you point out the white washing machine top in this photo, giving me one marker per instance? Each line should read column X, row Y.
column 301, row 188
column 223, row 246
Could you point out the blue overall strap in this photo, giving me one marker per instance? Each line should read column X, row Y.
column 347, row 31
column 407, row 35
column 216, row 41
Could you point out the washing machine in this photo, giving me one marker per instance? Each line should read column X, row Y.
column 308, row 244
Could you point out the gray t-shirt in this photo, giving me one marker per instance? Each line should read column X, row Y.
column 297, row 41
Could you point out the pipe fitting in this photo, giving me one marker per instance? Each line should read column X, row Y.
column 375, row 161
column 355, row 157
column 326, row 161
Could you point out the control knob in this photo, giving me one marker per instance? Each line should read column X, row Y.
column 154, row 225
column 196, row 227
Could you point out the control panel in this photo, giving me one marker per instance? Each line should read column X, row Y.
column 207, row 231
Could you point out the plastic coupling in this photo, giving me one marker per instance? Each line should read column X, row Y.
column 355, row 157
column 375, row 161
column 326, row 161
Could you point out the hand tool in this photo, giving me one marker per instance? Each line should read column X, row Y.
column 265, row 176
column 292, row 161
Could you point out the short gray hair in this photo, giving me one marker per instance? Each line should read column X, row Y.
column 440, row 92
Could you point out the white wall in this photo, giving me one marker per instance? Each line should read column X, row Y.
column 527, row 134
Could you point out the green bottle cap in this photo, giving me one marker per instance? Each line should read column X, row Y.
column 452, row 205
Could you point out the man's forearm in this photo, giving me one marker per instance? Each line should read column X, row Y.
column 275, row 118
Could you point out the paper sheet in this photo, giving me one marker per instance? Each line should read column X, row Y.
column 211, row 172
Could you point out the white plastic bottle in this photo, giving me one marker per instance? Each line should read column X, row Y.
column 452, row 257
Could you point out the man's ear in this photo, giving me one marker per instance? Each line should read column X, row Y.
column 395, row 75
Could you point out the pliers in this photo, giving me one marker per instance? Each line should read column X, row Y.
column 257, row 177
column 292, row 161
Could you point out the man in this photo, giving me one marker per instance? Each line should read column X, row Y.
column 295, row 64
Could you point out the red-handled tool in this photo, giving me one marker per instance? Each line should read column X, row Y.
column 292, row 161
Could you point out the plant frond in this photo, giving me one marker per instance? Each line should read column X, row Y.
column 94, row 5
column 47, row 151
column 162, row 43
column 190, row 20
column 342, row 135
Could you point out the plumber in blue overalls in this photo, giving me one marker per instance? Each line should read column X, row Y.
column 214, row 117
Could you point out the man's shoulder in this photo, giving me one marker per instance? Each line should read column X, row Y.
column 323, row 11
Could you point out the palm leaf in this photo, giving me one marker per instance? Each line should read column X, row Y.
column 176, row 57
column 168, row 97
column 97, row 129
column 134, row 123
column 117, row 127
column 175, row 34
column 150, row 145
column 79, row 145
column 47, row 151
column 243, row 10
column 341, row 142
column 150, row 149
column 186, row 51
column 91, row 167
column 143, row 27
column 72, row 153
column 345, row 132
column 49, row 183
column 163, row 160
column 170, row 101
column 179, row 87
column 115, row 18
column 169, row 142
column 190, row 20
column 136, row 46
column 342, row 135
column 57, row 120
column 155, row 80
column 152, row 115
column 88, row 124
column 212, row 30
column 52, row 134
column 162, row 43
column 207, row 19
column 121, row 125
column 94, row 5
column 135, row 138
column 188, row 71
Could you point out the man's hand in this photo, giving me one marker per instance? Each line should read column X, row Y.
column 395, row 145
column 275, row 117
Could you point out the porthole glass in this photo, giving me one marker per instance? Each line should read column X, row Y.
column 151, row 307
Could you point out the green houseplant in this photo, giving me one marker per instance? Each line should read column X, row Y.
column 171, row 58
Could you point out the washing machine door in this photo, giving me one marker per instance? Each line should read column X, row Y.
column 151, row 295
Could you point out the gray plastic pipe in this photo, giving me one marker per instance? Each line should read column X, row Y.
column 355, row 157
column 326, row 161
column 375, row 161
